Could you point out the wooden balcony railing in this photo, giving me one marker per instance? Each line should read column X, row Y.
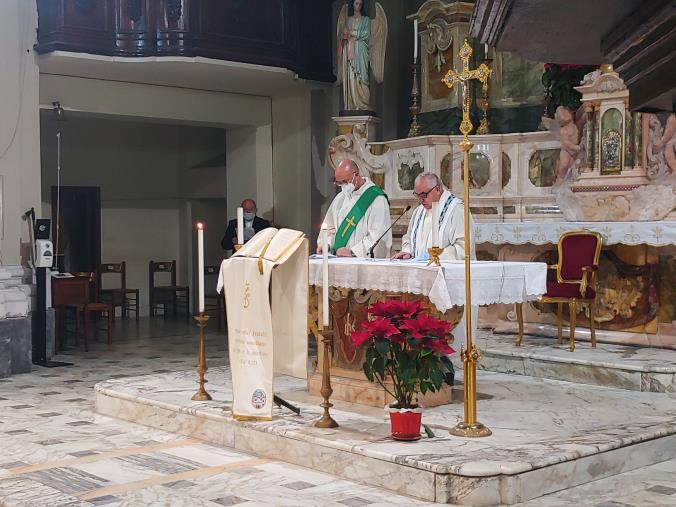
column 293, row 34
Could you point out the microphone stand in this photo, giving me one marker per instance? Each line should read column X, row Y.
column 373, row 247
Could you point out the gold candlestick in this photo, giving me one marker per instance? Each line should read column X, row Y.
column 201, row 394
column 435, row 254
column 484, row 124
column 414, row 129
column 469, row 427
column 237, row 247
column 326, row 420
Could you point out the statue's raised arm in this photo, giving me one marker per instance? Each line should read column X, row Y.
column 360, row 43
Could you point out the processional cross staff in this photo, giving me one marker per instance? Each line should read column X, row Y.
column 470, row 355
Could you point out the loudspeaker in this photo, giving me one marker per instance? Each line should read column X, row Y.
column 42, row 228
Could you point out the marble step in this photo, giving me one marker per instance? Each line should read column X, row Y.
column 547, row 435
column 619, row 366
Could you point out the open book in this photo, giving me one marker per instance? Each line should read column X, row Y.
column 272, row 244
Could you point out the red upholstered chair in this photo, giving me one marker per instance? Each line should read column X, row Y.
column 575, row 282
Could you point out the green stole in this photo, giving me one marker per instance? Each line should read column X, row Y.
column 349, row 223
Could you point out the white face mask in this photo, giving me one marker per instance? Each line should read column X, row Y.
column 249, row 216
column 347, row 188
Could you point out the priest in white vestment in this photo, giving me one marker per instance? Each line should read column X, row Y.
column 358, row 216
column 429, row 188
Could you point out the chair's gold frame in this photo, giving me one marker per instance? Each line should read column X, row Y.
column 588, row 280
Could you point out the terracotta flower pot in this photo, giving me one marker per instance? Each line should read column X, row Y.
column 405, row 423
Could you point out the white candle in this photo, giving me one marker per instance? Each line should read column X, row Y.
column 240, row 226
column 200, row 265
column 485, row 51
column 415, row 41
column 325, row 277
column 435, row 224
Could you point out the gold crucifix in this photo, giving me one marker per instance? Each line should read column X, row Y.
column 470, row 355
column 349, row 223
column 482, row 73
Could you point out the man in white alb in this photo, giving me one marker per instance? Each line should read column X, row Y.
column 358, row 216
column 429, row 188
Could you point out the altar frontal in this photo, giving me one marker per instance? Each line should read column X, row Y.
column 266, row 293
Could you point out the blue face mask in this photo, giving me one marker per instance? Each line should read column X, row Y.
column 249, row 216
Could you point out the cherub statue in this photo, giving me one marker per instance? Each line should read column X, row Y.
column 667, row 143
column 568, row 131
column 361, row 45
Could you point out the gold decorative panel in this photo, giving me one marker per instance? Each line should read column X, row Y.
column 479, row 170
column 542, row 167
column 446, row 170
column 611, row 142
column 506, row 169
column 407, row 174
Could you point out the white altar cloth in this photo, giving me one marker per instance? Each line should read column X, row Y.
column 540, row 233
column 492, row 281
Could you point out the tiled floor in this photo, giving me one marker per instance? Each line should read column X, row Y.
column 56, row 451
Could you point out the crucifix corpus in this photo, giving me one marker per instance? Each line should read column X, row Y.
column 469, row 427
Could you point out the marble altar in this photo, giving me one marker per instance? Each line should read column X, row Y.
column 357, row 283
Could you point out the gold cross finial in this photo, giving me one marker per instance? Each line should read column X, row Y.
column 452, row 77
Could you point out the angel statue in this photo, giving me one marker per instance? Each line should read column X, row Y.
column 567, row 126
column 662, row 146
column 361, row 44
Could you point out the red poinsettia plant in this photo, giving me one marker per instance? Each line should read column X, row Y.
column 406, row 345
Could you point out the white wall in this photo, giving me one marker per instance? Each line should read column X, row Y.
column 19, row 127
column 147, row 177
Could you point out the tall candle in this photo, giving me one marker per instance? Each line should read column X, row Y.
column 415, row 41
column 240, row 226
column 200, row 265
column 485, row 51
column 435, row 224
column 325, row 277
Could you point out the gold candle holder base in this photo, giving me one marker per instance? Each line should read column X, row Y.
column 326, row 420
column 435, row 254
column 237, row 247
column 201, row 394
column 475, row 430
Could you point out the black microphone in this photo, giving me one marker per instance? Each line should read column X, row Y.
column 388, row 230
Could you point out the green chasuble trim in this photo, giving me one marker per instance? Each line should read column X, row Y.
column 349, row 223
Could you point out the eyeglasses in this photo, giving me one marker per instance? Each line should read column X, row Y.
column 423, row 195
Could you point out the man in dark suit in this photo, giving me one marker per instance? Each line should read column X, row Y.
column 252, row 225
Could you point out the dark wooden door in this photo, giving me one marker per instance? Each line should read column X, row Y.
column 77, row 242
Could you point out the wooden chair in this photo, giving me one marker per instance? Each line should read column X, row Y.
column 575, row 283
column 80, row 301
column 213, row 301
column 166, row 295
column 126, row 299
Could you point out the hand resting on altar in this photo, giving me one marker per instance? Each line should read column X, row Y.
column 401, row 256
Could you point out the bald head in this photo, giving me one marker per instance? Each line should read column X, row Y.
column 345, row 170
column 249, row 206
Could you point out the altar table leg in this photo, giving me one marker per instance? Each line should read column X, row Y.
column 519, row 318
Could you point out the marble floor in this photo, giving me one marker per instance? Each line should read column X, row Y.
column 56, row 451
